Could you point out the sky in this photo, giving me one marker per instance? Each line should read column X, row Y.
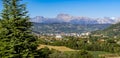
column 88, row 8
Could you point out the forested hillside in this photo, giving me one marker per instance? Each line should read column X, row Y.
column 112, row 31
column 67, row 27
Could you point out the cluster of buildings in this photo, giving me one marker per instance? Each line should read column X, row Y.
column 59, row 35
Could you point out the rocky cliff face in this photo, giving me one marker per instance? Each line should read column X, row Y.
column 60, row 18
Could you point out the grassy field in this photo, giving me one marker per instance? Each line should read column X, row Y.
column 59, row 48
column 94, row 53
column 97, row 53
column 72, row 51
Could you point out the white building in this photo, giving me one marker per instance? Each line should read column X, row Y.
column 58, row 36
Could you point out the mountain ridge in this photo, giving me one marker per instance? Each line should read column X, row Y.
column 75, row 19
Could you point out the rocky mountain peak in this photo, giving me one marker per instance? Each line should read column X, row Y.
column 76, row 19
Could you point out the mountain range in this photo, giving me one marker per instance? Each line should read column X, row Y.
column 66, row 18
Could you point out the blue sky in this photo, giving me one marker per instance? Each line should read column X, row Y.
column 89, row 8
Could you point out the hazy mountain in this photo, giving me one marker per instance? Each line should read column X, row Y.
column 66, row 27
column 60, row 18
column 38, row 19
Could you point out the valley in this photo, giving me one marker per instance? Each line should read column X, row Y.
column 58, row 28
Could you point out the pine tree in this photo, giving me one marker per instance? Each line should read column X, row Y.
column 16, row 39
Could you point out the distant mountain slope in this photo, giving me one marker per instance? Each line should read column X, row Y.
column 60, row 18
column 112, row 31
column 67, row 27
column 75, row 24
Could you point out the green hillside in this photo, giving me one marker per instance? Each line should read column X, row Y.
column 112, row 31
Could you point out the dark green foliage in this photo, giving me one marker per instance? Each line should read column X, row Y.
column 70, row 54
column 16, row 40
column 84, row 54
column 44, row 53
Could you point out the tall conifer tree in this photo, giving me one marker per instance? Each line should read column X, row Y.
column 16, row 40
